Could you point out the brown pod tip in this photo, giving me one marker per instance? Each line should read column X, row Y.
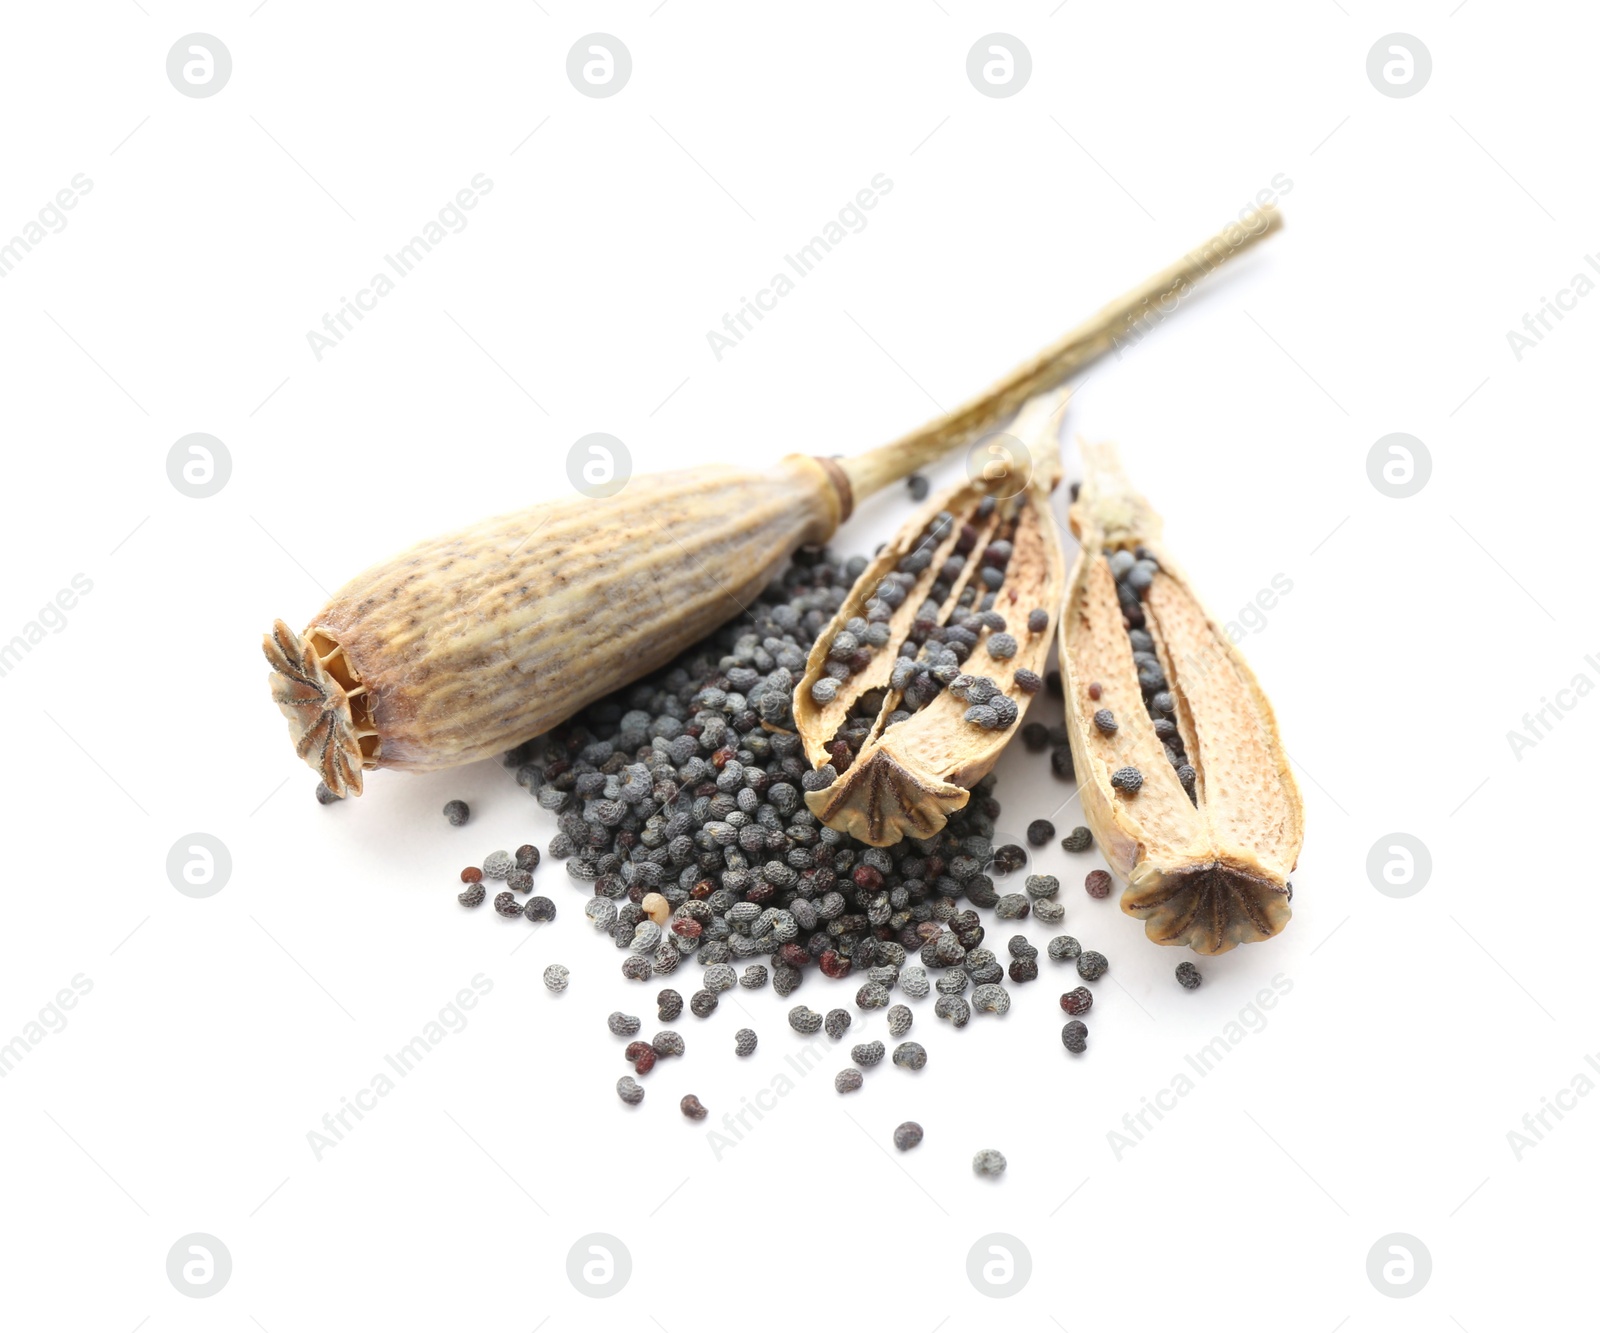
column 320, row 693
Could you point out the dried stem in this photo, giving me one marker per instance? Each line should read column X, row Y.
column 1124, row 320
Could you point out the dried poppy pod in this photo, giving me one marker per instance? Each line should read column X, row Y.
column 1184, row 781
column 913, row 690
column 473, row 642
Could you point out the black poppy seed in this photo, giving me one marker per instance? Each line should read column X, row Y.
column 848, row 1080
column 872, row 996
column 1018, row 946
column 539, row 909
column 506, row 904
column 669, row 1004
column 667, row 1043
column 1091, row 965
column 899, row 1021
column 527, row 857
column 754, row 977
column 1036, row 737
column 1061, row 762
column 1029, row 682
column 1022, row 969
column 519, row 881
column 471, row 896
column 989, row 1162
column 1079, row 840
column 1002, row 646
column 1128, row 779
column 837, row 1023
column 629, row 1090
column 907, row 1135
column 804, row 1020
column 1079, row 1000
column 917, row 484
column 1106, row 721
column 744, row 1042
column 1040, row 831
column 1188, row 976
column 1038, row 620
column 702, row 1003
column 1008, row 858
column 456, row 812
column 1075, row 1036
column 867, row 1053
column 1011, row 906
column 1063, row 949
column 909, row 1055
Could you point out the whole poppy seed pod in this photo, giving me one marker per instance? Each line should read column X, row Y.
column 472, row 642
column 1206, row 846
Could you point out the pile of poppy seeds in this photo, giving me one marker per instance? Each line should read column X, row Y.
column 680, row 806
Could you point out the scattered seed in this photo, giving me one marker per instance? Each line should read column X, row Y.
column 539, row 909
column 805, row 1020
column 1036, row 737
column 837, row 1023
column 867, row 1053
column 1040, row 831
column 519, row 881
column 666, row 1043
column 914, row 982
column 506, row 904
column 909, row 1055
column 907, row 1135
column 1105, row 720
column 527, row 857
column 1097, row 883
column 636, row 968
column 657, row 908
column 744, row 1042
column 497, row 865
column 1079, row 840
column 690, row 1106
column 669, row 1004
column 456, row 812
column 953, row 1009
column 1063, row 949
column 1078, row 1000
column 1038, row 620
column 1002, row 646
column 988, row 1162
column 471, row 896
column 1061, row 762
column 1020, row 970
column 703, row 1003
column 471, row 875
column 622, row 1025
column 1091, row 965
column 1008, row 858
column 994, row 999
column 629, row 1091
column 720, row 977
column 917, row 484
column 556, row 978
column 1128, row 779
column 1075, row 1037
column 847, row 1080
column 754, row 977
column 1094, row 689
column 899, row 1021
column 1011, row 906
column 1188, row 976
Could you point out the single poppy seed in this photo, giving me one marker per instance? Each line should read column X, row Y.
column 556, row 978
column 1079, row 840
column 988, row 1162
column 907, row 1135
column 1128, row 779
column 506, row 904
column 1075, row 1036
column 629, row 1090
column 539, row 909
column 690, row 1106
column 1097, row 884
column 1091, row 965
column 744, row 1042
column 909, row 1055
column 1188, row 976
column 1078, row 1000
column 471, row 896
column 1106, row 721
column 1040, row 831
column 456, row 812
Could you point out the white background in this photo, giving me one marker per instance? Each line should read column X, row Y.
column 218, row 1032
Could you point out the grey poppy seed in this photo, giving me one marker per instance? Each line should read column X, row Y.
column 623, row 1025
column 1091, row 965
column 1075, row 1036
column 914, row 982
column 899, row 1021
column 907, row 1135
column 1042, row 886
column 754, row 977
column 1049, row 910
column 629, row 1090
column 471, row 896
column 992, row 999
column 1002, row 646
column 667, row 1043
column 909, row 1055
column 497, row 865
column 1188, row 975
column 1128, row 779
column 837, row 1023
column 1063, row 949
column 954, row 1009
column 867, row 1053
column 1079, row 840
column 539, row 910
column 456, row 812
column 805, row 1020
column 988, row 1162
column 847, row 1080
column 556, row 978
column 744, row 1042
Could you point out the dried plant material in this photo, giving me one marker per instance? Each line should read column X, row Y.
column 468, row 644
column 1189, row 793
column 913, row 690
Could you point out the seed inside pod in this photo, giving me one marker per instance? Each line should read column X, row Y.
column 1190, row 797
column 921, row 684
